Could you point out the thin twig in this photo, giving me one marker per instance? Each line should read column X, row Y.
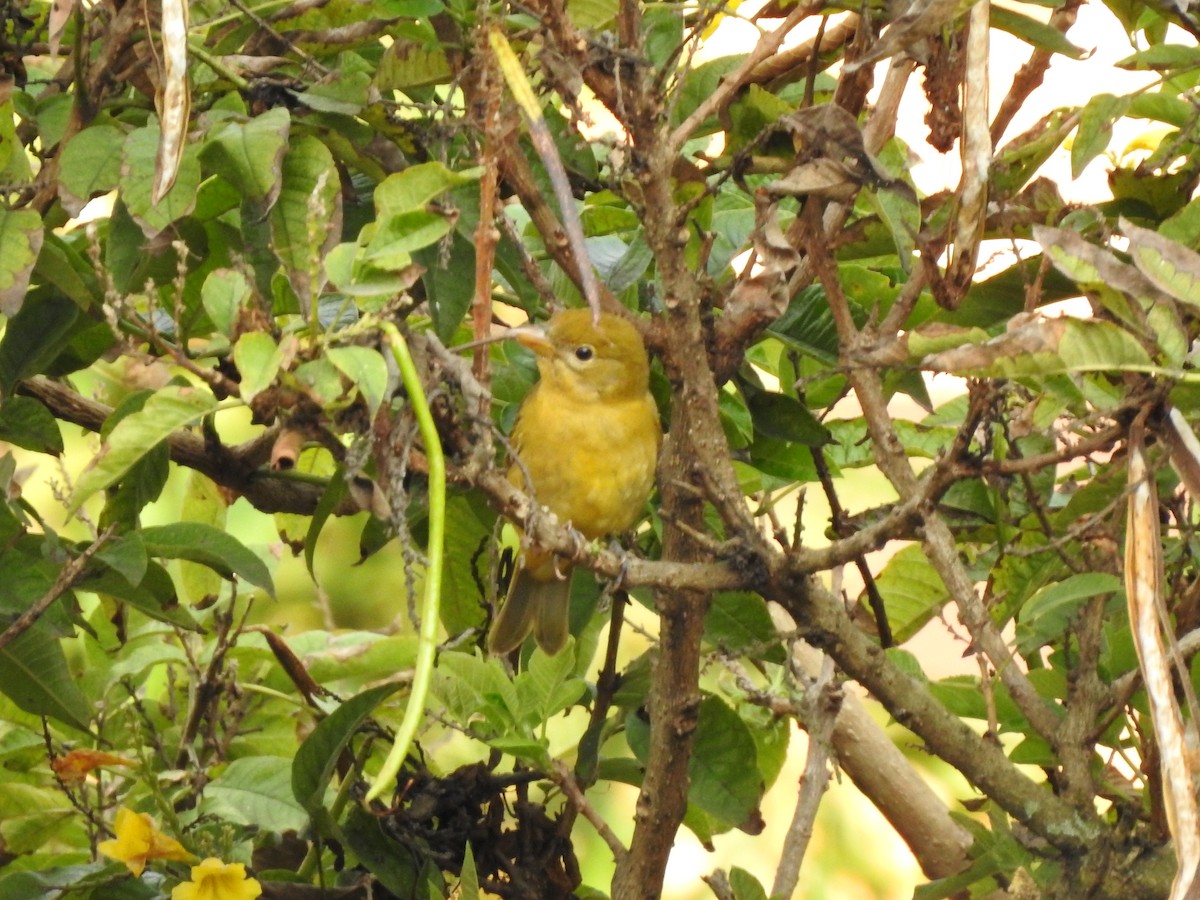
column 731, row 83
column 565, row 779
column 821, row 717
column 67, row 576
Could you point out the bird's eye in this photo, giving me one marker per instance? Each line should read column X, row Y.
column 584, row 353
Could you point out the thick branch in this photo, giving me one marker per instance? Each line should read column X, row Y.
column 674, row 701
column 240, row 468
column 826, row 624
column 884, row 774
column 790, row 64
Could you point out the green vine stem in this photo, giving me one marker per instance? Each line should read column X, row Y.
column 427, row 643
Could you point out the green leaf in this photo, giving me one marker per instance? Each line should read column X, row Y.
column 47, row 883
column 249, row 153
column 547, row 686
column 736, row 421
column 741, row 623
column 140, row 486
column 397, row 237
column 89, row 165
column 902, row 218
column 402, row 872
column 592, row 14
column 256, row 791
column 408, row 64
column 783, row 459
column 1089, row 346
column 209, row 546
column 258, row 359
column 35, row 676
column 745, row 886
column 772, row 737
column 1047, row 347
column 1032, row 31
column 471, row 687
column 345, row 90
column 31, row 817
column 912, row 592
column 126, row 556
column 1163, row 107
column 33, row 338
column 138, row 160
column 1095, row 129
column 450, row 288
column 307, row 220
column 203, row 503
column 469, row 526
column 27, row 423
column 153, row 596
column 351, row 659
column 632, row 266
column 14, row 166
column 468, row 879
column 320, row 376
column 410, row 190
column 785, row 418
column 20, row 243
column 723, row 772
column 329, row 501
column 1162, row 57
column 1089, row 264
column 808, row 326
column 1018, row 162
column 135, row 435
column 223, row 295
column 366, row 370
column 699, row 84
column 1172, row 267
column 724, row 780
column 317, row 757
column 63, row 266
column 1046, row 614
column 27, row 575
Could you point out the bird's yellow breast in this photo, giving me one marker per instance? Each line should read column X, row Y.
column 590, row 461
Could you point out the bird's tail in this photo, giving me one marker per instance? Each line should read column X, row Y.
column 541, row 607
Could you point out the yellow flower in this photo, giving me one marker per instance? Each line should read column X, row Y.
column 215, row 880
column 138, row 841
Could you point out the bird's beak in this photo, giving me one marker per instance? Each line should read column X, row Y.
column 534, row 338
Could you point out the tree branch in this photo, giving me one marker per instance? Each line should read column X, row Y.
column 938, row 539
column 241, row 468
column 766, row 47
column 67, row 576
column 825, row 623
column 885, row 776
column 674, row 701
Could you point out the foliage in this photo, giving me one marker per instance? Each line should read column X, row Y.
column 269, row 190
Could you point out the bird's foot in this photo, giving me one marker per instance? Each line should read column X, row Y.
column 581, row 546
column 617, row 582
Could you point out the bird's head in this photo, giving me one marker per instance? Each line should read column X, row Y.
column 605, row 359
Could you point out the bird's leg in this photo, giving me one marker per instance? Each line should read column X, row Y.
column 564, row 562
column 581, row 545
column 617, row 582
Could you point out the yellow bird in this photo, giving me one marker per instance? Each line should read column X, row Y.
column 586, row 443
